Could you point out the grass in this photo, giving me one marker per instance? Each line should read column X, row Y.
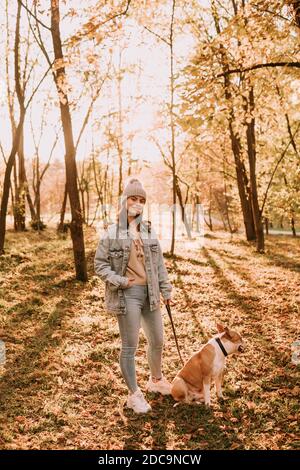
column 61, row 386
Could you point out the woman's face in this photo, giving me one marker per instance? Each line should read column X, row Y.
column 135, row 205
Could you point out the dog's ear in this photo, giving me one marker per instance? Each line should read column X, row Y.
column 228, row 332
column 220, row 328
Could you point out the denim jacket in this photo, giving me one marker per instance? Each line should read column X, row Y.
column 111, row 261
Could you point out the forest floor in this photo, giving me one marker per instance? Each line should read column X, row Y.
column 61, row 386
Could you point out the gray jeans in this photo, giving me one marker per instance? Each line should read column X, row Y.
column 139, row 313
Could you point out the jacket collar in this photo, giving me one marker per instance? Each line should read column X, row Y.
column 124, row 232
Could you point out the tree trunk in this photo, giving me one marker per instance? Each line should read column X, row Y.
column 293, row 227
column 221, row 211
column 70, row 163
column 198, row 226
column 22, row 189
column 20, row 194
column 182, row 208
column 172, row 126
column 119, row 139
column 281, row 222
column 6, row 183
column 266, row 219
column 226, row 203
column 60, row 227
column 236, row 145
column 209, row 223
column 17, row 135
column 260, row 242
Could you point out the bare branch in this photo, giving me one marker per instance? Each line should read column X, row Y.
column 157, row 35
column 90, row 108
column 33, row 15
column 259, row 66
column 275, row 169
column 3, row 154
column 51, row 153
column 167, row 162
column 37, row 87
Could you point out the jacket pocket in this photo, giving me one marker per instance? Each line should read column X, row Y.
column 111, row 296
column 116, row 260
column 154, row 248
column 154, row 253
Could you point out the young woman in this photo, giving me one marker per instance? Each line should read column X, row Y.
column 129, row 260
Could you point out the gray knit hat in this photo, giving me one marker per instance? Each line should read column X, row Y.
column 133, row 188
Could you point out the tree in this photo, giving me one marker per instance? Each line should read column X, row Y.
column 70, row 163
column 17, row 135
column 238, row 30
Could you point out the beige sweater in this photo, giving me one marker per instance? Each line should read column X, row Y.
column 136, row 263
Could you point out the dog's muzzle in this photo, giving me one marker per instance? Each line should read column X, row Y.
column 241, row 348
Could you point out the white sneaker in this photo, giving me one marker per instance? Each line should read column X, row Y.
column 162, row 386
column 137, row 402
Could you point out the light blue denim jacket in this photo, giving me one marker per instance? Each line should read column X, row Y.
column 111, row 261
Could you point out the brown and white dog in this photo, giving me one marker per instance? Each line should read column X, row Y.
column 192, row 383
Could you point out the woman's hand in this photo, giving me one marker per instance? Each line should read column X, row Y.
column 169, row 302
column 130, row 283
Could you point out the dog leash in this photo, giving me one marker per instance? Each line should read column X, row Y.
column 174, row 332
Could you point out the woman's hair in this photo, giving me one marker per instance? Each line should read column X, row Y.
column 122, row 218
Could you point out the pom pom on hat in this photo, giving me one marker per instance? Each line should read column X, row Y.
column 133, row 188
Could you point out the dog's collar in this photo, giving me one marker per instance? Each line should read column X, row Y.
column 221, row 346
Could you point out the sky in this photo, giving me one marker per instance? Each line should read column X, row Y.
column 151, row 83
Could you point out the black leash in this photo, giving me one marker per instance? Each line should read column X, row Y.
column 174, row 332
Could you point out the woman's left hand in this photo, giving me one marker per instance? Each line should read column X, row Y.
column 169, row 302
